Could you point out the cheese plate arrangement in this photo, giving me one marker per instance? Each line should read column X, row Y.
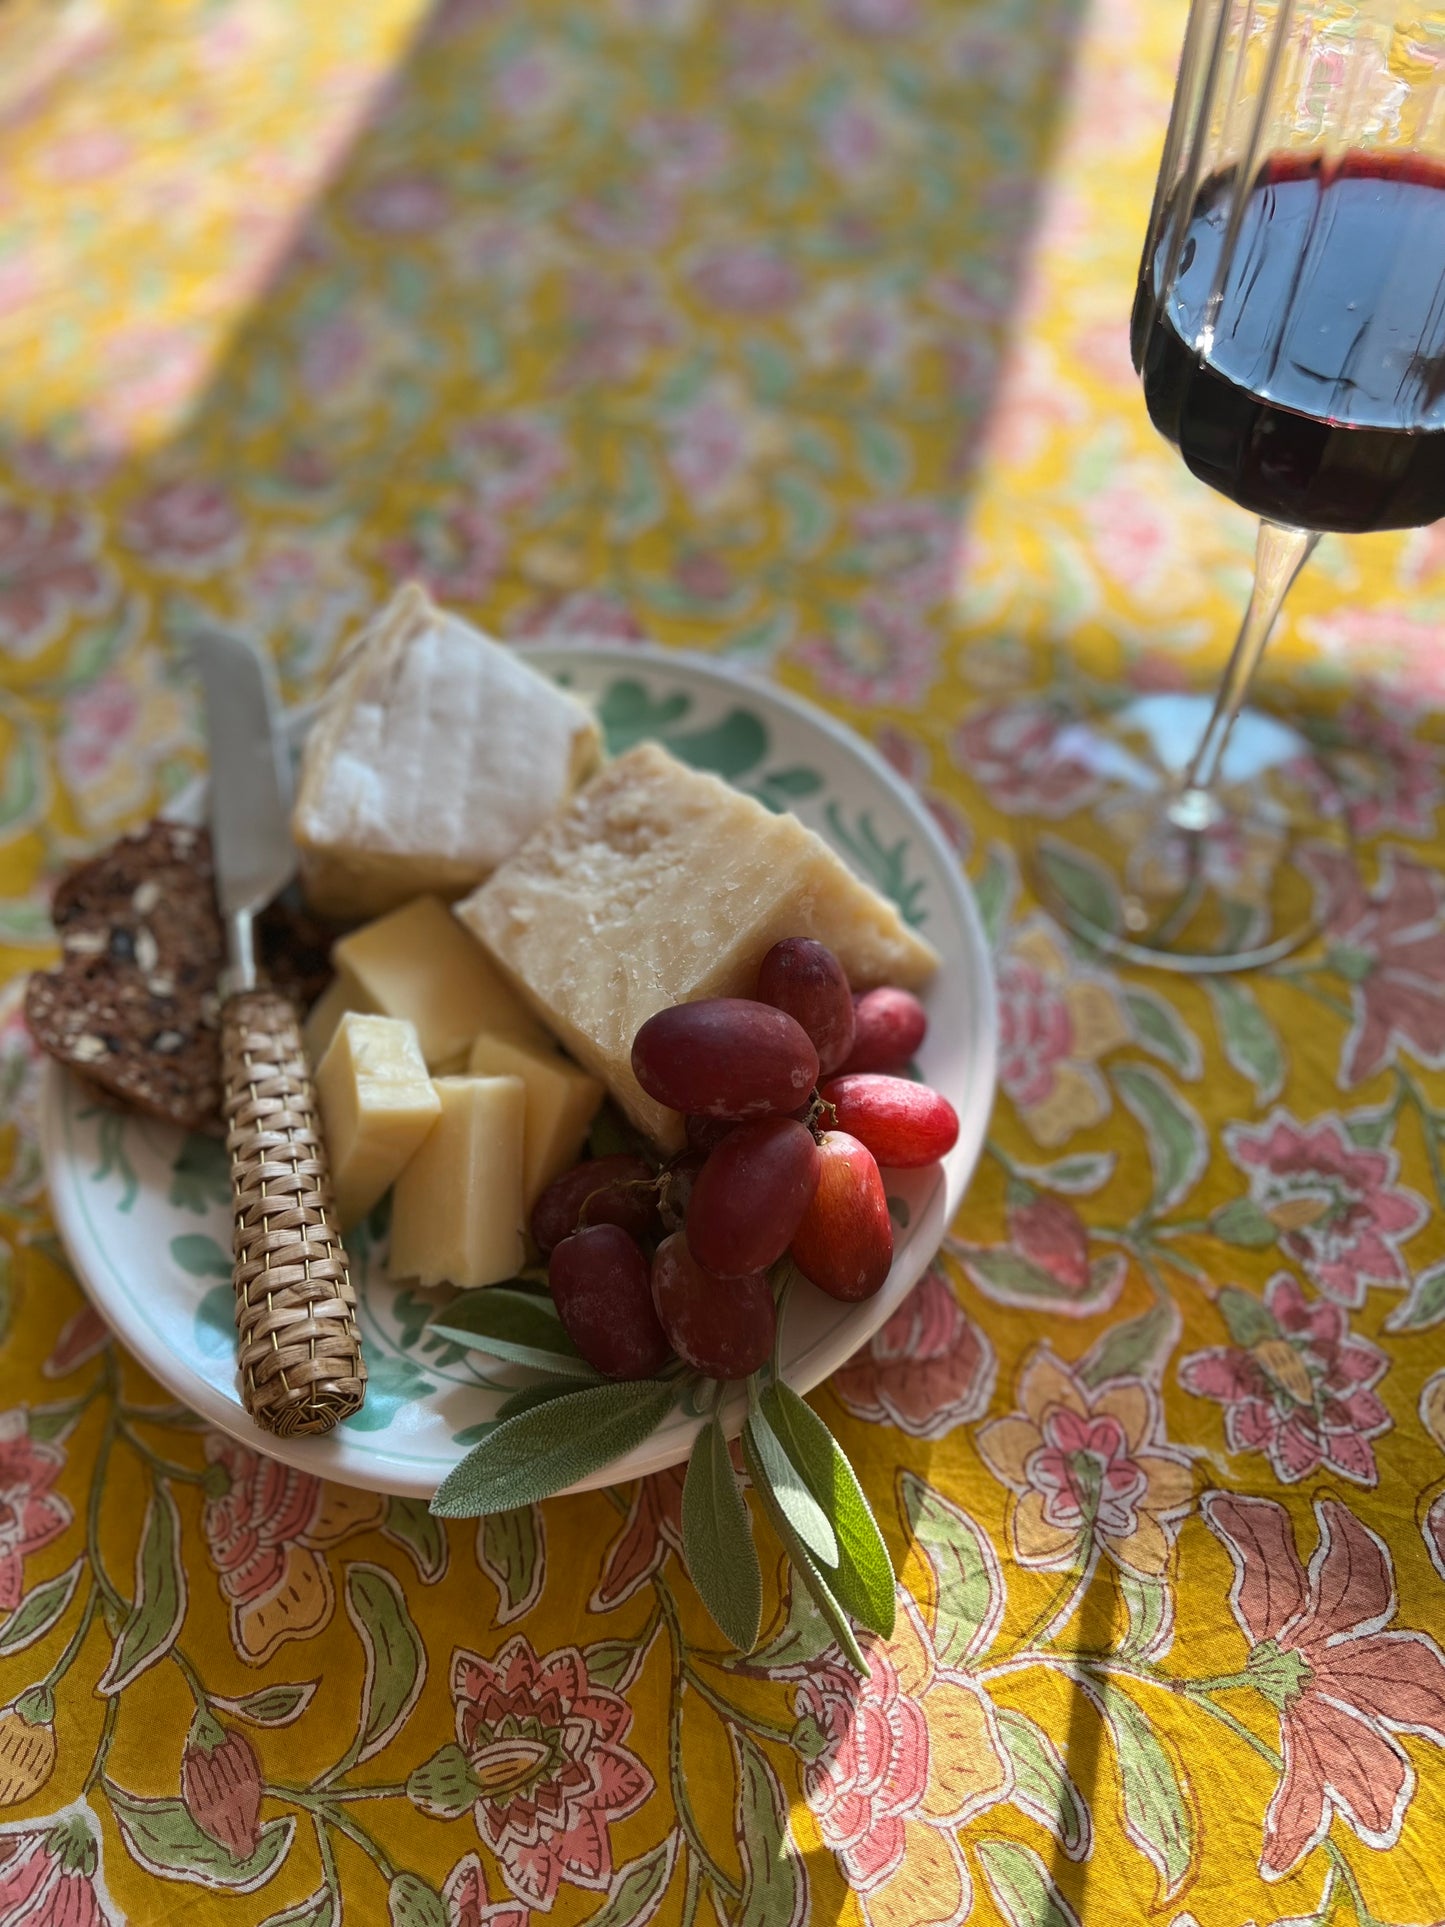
column 653, row 1047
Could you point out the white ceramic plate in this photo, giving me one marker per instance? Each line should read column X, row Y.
column 143, row 1209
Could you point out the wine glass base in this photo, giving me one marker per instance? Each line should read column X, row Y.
column 1127, row 855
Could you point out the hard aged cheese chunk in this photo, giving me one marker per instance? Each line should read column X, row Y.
column 561, row 1102
column 457, row 1212
column 436, row 752
column 377, row 1104
column 419, row 963
column 658, row 885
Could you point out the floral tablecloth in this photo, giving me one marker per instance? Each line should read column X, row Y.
column 797, row 333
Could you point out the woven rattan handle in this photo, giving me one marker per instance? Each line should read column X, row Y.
column 299, row 1347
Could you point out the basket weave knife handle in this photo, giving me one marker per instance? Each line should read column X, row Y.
column 299, row 1347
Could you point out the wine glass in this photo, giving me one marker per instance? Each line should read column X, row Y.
column 1289, row 330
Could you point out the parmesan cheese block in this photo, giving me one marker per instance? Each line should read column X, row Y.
column 561, row 1102
column 420, row 964
column 436, row 753
column 456, row 1212
column 657, row 886
column 377, row 1104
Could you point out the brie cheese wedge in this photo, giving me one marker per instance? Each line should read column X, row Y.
column 436, row 753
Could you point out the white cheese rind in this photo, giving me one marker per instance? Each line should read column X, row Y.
column 436, row 753
column 456, row 1211
column 659, row 885
column 419, row 963
column 377, row 1104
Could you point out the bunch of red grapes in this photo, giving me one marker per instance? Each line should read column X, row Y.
column 790, row 1109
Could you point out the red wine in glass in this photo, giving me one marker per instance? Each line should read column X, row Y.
column 1317, row 397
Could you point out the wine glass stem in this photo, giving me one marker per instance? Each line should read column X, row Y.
column 1280, row 554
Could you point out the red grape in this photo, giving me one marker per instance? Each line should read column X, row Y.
column 603, row 1294
column 889, row 1025
column 902, row 1123
column 806, row 980
column 750, row 1195
column 616, row 1190
column 725, row 1057
column 845, row 1241
column 721, row 1326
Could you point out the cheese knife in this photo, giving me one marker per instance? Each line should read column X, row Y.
column 298, row 1346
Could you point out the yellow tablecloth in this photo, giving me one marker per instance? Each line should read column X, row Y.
column 794, row 332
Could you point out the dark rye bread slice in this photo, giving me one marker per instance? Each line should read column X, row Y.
column 133, row 1005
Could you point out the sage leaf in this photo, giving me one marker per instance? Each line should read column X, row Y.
column 790, row 1490
column 861, row 1577
column 513, row 1325
column 717, row 1541
column 802, row 1562
column 541, row 1451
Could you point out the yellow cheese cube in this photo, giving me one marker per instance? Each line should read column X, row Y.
column 419, row 963
column 377, row 1104
column 561, row 1102
column 343, row 993
column 658, row 885
column 456, row 1212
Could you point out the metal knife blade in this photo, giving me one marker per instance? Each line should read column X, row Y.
column 250, row 800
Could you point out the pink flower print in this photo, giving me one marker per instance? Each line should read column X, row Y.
column 31, row 1515
column 1051, row 1235
column 1389, row 945
column 100, row 723
column 1388, row 774
column 583, row 613
column 765, row 47
column 51, row 1873
column 83, row 1336
column 911, row 760
column 652, row 1529
column 928, row 1369
column 618, row 321
column 1012, row 751
column 61, row 469
column 686, row 150
column 851, row 327
column 1089, row 1469
column 894, row 1764
column 188, row 526
column 402, row 204
column 640, row 216
column 1335, row 1205
column 465, row 1899
column 746, row 279
column 883, row 652
column 909, row 547
column 1342, row 1684
column 1056, row 1021
column 1134, row 533
column 48, row 575
column 1301, row 1391
column 456, row 556
column 546, row 1748
column 537, row 84
column 510, row 460
column 877, row 19
column 1395, row 646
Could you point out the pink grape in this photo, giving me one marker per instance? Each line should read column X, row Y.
column 889, row 1026
column 603, row 1293
column 616, row 1190
column 725, row 1057
column 902, row 1123
column 806, row 980
column 845, row 1241
column 750, row 1195
column 721, row 1326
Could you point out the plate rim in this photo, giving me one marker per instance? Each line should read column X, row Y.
column 823, row 1357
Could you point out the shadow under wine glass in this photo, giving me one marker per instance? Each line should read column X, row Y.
column 1289, row 330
